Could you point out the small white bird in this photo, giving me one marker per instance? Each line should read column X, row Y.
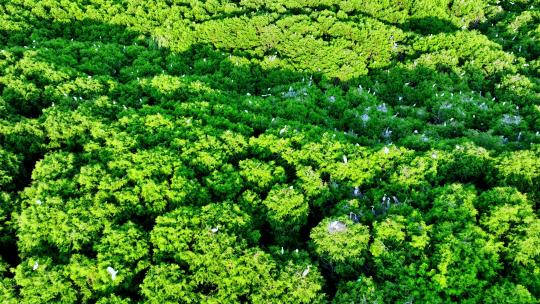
column 345, row 159
column 336, row 226
column 386, row 150
column 306, row 271
column 36, row 265
column 282, row 251
column 112, row 272
column 39, row 202
column 214, row 230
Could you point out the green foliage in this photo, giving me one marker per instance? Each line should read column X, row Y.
column 269, row 152
column 47, row 283
column 341, row 243
column 287, row 211
column 213, row 265
column 363, row 289
column 453, row 203
column 521, row 169
column 260, row 175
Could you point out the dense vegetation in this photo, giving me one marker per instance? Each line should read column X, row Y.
column 288, row 151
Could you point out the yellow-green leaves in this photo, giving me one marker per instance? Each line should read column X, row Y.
column 341, row 243
column 286, row 211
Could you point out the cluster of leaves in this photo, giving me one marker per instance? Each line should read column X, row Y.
column 291, row 151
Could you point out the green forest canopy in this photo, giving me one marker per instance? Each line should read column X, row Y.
column 296, row 151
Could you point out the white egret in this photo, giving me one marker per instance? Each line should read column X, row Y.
column 306, row 271
column 336, row 226
column 112, row 272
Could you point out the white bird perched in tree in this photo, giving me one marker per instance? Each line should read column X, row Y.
column 356, row 192
column 364, row 118
column 39, row 202
column 112, row 272
column 214, row 230
column 282, row 251
column 336, row 226
column 387, row 132
column 345, row 159
column 36, row 265
column 386, row 150
column 306, row 271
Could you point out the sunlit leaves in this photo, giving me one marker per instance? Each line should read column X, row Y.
column 287, row 212
column 342, row 243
